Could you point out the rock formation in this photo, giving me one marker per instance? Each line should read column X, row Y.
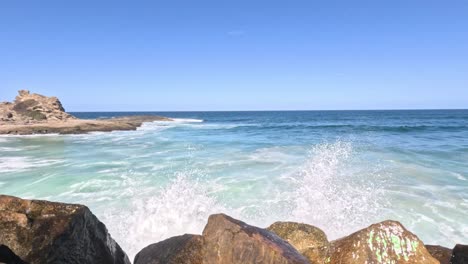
column 47, row 232
column 33, row 108
column 38, row 114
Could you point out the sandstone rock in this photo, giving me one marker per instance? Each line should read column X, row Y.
column 29, row 108
column 385, row 242
column 48, row 232
column 442, row 254
column 230, row 241
column 186, row 249
column 309, row 240
column 459, row 254
column 38, row 114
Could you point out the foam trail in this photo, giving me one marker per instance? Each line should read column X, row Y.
column 187, row 120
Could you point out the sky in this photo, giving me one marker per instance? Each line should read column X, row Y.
column 237, row 55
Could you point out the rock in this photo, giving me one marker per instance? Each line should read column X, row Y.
column 385, row 242
column 459, row 254
column 230, row 241
column 29, row 107
column 39, row 114
column 442, row 254
column 48, row 232
column 9, row 257
column 309, row 240
column 186, row 249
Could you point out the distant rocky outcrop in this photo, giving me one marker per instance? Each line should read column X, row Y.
column 39, row 114
column 33, row 108
column 47, row 232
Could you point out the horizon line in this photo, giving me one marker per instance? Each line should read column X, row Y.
column 269, row 110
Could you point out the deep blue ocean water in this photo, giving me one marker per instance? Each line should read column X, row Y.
column 338, row 170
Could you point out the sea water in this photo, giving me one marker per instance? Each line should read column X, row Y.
column 338, row 170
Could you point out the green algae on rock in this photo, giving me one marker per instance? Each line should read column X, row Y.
column 386, row 242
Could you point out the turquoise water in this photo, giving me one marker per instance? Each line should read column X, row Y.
column 338, row 170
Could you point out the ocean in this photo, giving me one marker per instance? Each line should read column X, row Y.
column 337, row 170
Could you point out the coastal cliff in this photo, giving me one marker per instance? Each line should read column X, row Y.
column 39, row 114
column 33, row 231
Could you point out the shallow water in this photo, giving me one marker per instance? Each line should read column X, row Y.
column 338, row 170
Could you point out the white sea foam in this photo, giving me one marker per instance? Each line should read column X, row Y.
column 186, row 120
column 181, row 207
column 330, row 196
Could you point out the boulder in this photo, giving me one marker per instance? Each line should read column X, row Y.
column 385, row 242
column 230, row 241
column 459, row 254
column 47, row 232
column 309, row 240
column 442, row 254
column 186, row 249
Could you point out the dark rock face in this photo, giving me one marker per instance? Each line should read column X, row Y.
column 47, row 232
column 186, row 249
column 442, row 254
column 9, row 257
column 230, row 241
column 385, row 242
column 309, row 240
column 459, row 254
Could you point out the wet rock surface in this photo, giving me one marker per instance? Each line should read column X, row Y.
column 47, row 232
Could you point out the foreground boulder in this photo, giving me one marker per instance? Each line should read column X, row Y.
column 385, row 242
column 442, row 254
column 47, row 232
column 230, row 241
column 309, row 240
column 186, row 249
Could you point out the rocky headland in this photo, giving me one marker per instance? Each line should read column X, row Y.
column 33, row 231
column 33, row 113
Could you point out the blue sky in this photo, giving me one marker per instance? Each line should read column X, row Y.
column 237, row 55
